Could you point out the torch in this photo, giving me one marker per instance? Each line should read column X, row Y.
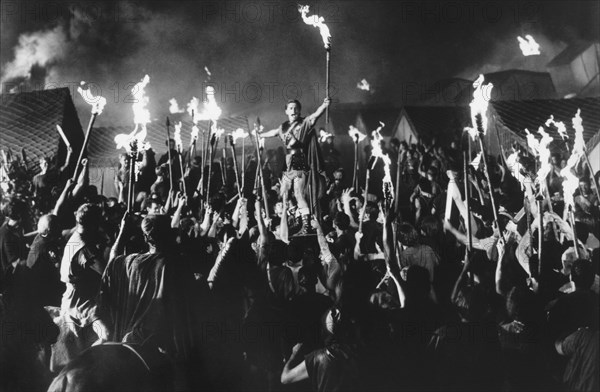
column 357, row 137
column 168, row 124
column 132, row 158
column 97, row 103
column 240, row 134
column 259, row 148
column 319, row 22
column 179, row 145
column 235, row 164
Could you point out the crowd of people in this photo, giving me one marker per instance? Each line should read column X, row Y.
column 246, row 289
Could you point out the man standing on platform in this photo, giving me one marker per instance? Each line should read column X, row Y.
column 304, row 168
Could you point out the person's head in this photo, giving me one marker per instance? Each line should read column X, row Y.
column 471, row 303
column 431, row 226
column 48, row 226
column 157, row 230
column 371, row 211
column 307, row 279
column 584, row 185
column 170, row 143
column 88, row 216
column 582, row 274
column 407, row 235
column 293, row 109
column 432, row 173
column 520, row 304
column 341, row 221
column 123, row 159
column 555, row 159
column 295, row 252
column 403, row 146
column 155, row 204
column 338, row 175
column 15, row 210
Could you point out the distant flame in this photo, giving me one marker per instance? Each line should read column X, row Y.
column 97, row 102
column 217, row 132
column 141, row 117
column 207, row 71
column 571, row 181
column 239, row 134
column 177, row 136
column 355, row 133
column 318, row 22
column 528, row 46
column 560, row 127
column 211, row 111
column 323, row 135
column 363, row 85
column 174, row 106
column 480, row 102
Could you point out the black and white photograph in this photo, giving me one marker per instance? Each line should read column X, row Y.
column 307, row 195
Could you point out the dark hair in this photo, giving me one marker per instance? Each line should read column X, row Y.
column 295, row 251
column 341, row 220
column 15, row 209
column 431, row 226
column 88, row 215
column 582, row 274
column 293, row 101
column 471, row 303
column 156, row 229
column 520, row 304
column 407, row 235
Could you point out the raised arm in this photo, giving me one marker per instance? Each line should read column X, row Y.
column 271, row 133
column 319, row 112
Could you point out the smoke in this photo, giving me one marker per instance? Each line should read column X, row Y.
column 39, row 49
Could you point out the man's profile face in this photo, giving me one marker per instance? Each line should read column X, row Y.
column 293, row 111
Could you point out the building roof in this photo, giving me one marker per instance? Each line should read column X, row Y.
column 519, row 115
column 28, row 120
column 570, row 53
column 102, row 148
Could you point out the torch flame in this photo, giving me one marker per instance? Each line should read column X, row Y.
column 571, row 181
column 377, row 153
column 211, row 110
column 363, row 85
column 192, row 109
column 194, row 134
column 479, row 104
column 318, row 22
column 323, row 135
column 532, row 142
column 356, row 135
column 512, row 161
column 560, row 127
column 141, row 117
column 544, row 157
column 528, row 46
column 239, row 134
column 177, row 136
column 174, row 106
column 97, row 102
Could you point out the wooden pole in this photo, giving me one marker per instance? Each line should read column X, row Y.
column 328, row 67
column 84, row 146
column 235, row 164
column 168, row 123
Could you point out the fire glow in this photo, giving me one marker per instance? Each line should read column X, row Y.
column 363, row 85
column 239, row 134
column 97, row 102
column 377, row 153
column 528, row 46
column 324, row 135
column 479, row 104
column 177, row 136
column 318, row 22
column 356, row 135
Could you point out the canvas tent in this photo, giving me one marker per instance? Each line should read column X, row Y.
column 575, row 70
column 28, row 121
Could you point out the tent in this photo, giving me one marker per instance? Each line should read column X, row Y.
column 575, row 70
column 28, row 121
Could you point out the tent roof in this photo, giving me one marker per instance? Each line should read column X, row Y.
column 102, row 148
column 344, row 115
column 441, row 122
column 28, row 120
column 569, row 54
column 518, row 115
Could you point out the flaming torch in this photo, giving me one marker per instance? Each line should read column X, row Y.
column 571, row 181
column 319, row 22
column 232, row 140
column 479, row 106
column 260, row 145
column 174, row 106
column 179, row 146
column 357, row 137
column 388, row 185
column 241, row 134
column 216, row 134
column 98, row 104
column 376, row 152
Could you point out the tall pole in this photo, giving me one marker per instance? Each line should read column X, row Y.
column 132, row 159
column 398, row 177
column 168, row 124
column 355, row 169
column 235, row 164
column 540, row 234
column 328, row 63
column 84, row 146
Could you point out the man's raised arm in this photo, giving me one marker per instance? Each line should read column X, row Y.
column 271, row 133
column 315, row 116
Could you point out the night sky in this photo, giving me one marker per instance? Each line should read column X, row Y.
column 260, row 53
